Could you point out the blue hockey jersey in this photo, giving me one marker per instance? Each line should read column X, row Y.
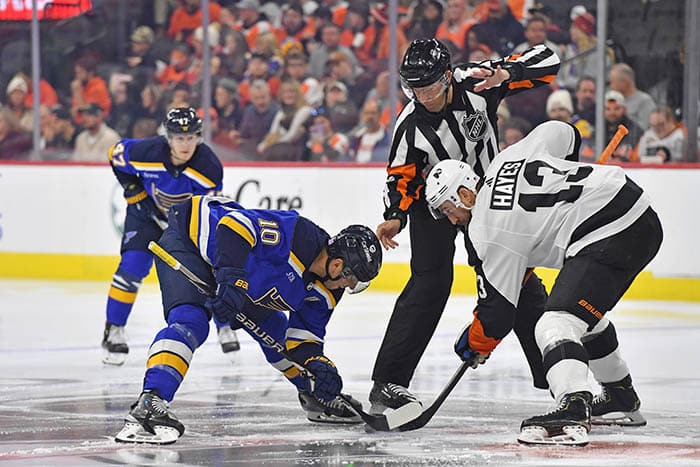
column 147, row 163
column 280, row 246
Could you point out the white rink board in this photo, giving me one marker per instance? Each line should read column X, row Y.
column 70, row 209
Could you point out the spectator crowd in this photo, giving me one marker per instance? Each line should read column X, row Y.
column 306, row 80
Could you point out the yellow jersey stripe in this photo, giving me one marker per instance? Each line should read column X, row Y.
column 148, row 166
column 239, row 228
column 293, row 372
column 296, row 264
column 330, row 299
column 199, row 178
column 194, row 220
column 290, row 344
column 137, row 197
column 122, row 295
column 169, row 359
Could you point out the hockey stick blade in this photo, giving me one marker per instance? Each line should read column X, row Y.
column 424, row 417
column 390, row 421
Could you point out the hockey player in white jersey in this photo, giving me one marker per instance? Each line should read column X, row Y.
column 534, row 208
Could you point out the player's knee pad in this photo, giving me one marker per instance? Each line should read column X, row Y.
column 602, row 340
column 191, row 322
column 555, row 326
column 558, row 335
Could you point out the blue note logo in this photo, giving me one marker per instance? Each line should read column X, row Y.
column 129, row 235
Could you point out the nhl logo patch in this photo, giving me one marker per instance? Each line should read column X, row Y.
column 475, row 125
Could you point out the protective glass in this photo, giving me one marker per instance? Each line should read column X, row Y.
column 429, row 93
column 356, row 285
column 446, row 209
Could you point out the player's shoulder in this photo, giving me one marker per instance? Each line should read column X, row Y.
column 308, row 240
column 206, row 159
column 146, row 149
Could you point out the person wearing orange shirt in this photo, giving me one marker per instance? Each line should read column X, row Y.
column 456, row 23
column 182, row 67
column 88, row 88
column 188, row 17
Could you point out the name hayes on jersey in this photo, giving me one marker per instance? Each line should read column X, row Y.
column 503, row 192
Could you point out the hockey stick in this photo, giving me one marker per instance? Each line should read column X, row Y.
column 387, row 422
column 613, row 144
column 428, row 413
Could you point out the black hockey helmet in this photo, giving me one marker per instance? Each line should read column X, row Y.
column 359, row 249
column 183, row 120
column 425, row 62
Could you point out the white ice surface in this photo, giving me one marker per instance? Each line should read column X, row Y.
column 60, row 406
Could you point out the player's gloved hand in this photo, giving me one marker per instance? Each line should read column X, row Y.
column 328, row 383
column 136, row 194
column 462, row 349
column 230, row 294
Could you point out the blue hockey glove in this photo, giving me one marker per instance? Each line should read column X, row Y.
column 328, row 383
column 462, row 349
column 230, row 294
column 136, row 194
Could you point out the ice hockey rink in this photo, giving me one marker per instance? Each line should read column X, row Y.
column 60, row 406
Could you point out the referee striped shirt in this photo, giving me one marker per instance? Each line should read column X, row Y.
column 465, row 130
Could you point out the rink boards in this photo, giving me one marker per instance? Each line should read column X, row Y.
column 63, row 221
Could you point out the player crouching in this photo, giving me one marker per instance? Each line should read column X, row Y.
column 536, row 208
column 278, row 276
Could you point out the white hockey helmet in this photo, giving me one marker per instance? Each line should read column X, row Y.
column 443, row 182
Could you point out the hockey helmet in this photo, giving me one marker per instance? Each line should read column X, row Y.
column 183, row 120
column 444, row 181
column 360, row 251
column 425, row 62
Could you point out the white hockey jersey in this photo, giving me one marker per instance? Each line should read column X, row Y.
column 536, row 209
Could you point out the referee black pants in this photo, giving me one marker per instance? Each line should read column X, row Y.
column 419, row 307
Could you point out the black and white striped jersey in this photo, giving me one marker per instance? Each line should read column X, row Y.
column 466, row 129
column 535, row 209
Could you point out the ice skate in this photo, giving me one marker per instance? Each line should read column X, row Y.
column 150, row 421
column 389, row 396
column 335, row 411
column 228, row 340
column 114, row 345
column 617, row 404
column 567, row 425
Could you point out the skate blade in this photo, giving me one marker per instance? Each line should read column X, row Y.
column 620, row 418
column 324, row 418
column 573, row 435
column 116, row 359
column 134, row 433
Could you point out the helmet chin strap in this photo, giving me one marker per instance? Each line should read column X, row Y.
column 328, row 277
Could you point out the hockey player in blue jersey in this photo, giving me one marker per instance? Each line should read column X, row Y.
column 155, row 173
column 281, row 271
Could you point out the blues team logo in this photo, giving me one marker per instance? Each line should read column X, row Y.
column 475, row 125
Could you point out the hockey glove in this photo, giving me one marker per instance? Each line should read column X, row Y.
column 135, row 194
column 328, row 383
column 230, row 294
column 462, row 349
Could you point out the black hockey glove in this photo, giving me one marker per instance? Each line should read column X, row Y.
column 328, row 383
column 462, row 349
column 230, row 294
column 135, row 194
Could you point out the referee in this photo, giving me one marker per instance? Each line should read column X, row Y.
column 452, row 114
